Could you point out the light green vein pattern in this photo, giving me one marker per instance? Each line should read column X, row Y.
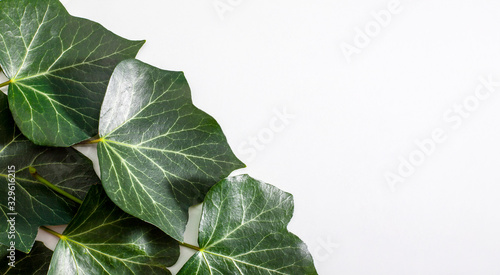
column 102, row 239
column 34, row 263
column 158, row 154
column 59, row 67
column 243, row 231
column 36, row 204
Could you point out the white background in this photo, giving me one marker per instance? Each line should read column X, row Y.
column 353, row 121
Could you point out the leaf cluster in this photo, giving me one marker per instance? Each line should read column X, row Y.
column 71, row 81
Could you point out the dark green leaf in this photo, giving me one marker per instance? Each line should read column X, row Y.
column 159, row 154
column 36, row 262
column 36, row 204
column 102, row 239
column 59, row 67
column 243, row 231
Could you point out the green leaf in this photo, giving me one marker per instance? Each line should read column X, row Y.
column 102, row 239
column 59, row 67
column 36, row 262
column 243, row 231
column 158, row 153
column 36, row 204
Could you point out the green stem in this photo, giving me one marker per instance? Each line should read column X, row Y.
column 39, row 178
column 190, row 246
column 90, row 141
column 48, row 230
column 5, row 84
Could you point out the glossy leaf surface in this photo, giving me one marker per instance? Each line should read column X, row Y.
column 159, row 154
column 102, row 239
column 35, row 263
column 59, row 67
column 243, row 231
column 32, row 204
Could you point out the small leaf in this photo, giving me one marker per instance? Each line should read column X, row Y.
column 102, row 239
column 33, row 204
column 159, row 154
column 59, row 67
column 243, row 231
column 36, row 262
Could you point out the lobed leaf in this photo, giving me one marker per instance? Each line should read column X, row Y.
column 158, row 153
column 243, row 231
column 33, row 204
column 102, row 239
column 59, row 67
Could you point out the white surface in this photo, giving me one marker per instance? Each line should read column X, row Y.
column 352, row 121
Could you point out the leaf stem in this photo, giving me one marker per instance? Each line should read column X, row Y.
column 5, row 84
column 90, row 141
column 190, row 246
column 48, row 230
column 39, row 178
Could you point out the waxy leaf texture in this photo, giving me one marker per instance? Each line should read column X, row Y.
column 102, row 239
column 59, row 67
column 69, row 80
column 35, row 263
column 33, row 204
column 243, row 231
column 158, row 153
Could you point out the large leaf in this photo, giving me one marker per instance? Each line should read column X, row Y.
column 102, row 239
column 159, row 154
column 59, row 67
column 36, row 204
column 17, row 262
column 243, row 231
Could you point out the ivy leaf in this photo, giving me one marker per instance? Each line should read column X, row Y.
column 59, row 67
column 33, row 204
column 36, row 262
column 243, row 231
column 102, row 239
column 158, row 153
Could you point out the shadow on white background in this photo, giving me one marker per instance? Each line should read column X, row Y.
column 353, row 121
